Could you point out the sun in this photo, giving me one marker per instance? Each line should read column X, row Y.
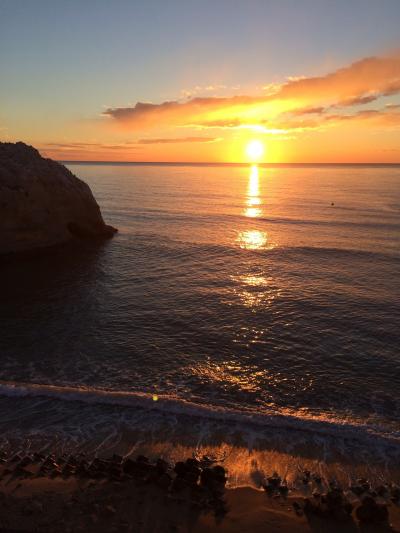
column 255, row 150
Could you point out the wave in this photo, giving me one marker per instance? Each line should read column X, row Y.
column 319, row 250
column 170, row 245
column 320, row 424
column 332, row 223
column 177, row 216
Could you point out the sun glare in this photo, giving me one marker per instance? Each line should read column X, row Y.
column 255, row 150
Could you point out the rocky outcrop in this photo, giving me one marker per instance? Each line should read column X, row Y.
column 42, row 203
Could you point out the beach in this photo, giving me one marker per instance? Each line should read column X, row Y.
column 48, row 494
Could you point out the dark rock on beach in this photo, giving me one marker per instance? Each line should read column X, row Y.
column 371, row 512
column 333, row 505
column 274, row 485
column 42, row 203
column 81, row 492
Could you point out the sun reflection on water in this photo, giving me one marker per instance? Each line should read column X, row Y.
column 253, row 239
column 232, row 374
column 255, row 291
column 253, row 195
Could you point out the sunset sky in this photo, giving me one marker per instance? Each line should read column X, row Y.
column 313, row 80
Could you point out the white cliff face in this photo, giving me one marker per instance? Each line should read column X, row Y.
column 42, row 203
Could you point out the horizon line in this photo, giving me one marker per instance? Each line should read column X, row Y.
column 217, row 163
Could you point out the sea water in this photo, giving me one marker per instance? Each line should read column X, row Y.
column 240, row 310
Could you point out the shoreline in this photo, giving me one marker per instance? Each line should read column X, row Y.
column 250, row 453
column 45, row 493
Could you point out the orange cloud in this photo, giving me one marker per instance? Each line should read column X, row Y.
column 90, row 151
column 174, row 112
column 376, row 75
column 87, row 146
column 375, row 117
column 105, row 151
column 179, row 140
column 360, row 83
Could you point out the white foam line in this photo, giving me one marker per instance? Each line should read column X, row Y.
column 178, row 406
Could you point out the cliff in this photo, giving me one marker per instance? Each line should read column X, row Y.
column 42, row 203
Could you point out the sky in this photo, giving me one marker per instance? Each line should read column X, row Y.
column 184, row 80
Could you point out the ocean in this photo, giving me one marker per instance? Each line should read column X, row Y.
column 250, row 313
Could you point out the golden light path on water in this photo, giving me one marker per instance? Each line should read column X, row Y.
column 254, row 290
column 253, row 194
column 253, row 239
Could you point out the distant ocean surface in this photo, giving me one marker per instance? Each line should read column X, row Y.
column 237, row 300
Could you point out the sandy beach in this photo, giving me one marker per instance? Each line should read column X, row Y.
column 67, row 494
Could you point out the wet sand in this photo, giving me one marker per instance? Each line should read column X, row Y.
column 77, row 493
